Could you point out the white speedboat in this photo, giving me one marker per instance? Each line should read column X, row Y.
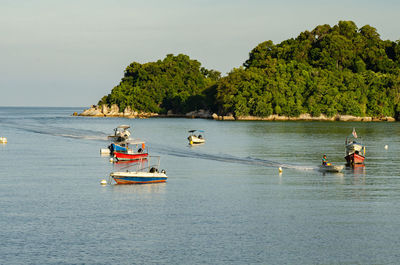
column 121, row 134
column 195, row 138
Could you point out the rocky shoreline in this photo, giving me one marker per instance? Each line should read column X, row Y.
column 113, row 111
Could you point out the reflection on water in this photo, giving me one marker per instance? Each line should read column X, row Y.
column 153, row 188
column 358, row 169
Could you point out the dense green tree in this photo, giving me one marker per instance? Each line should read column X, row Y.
column 176, row 83
column 329, row 70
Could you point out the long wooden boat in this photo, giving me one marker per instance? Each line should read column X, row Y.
column 331, row 168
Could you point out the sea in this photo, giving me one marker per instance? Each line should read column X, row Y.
column 225, row 202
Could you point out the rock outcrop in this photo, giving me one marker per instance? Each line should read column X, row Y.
column 303, row 117
column 114, row 111
column 201, row 113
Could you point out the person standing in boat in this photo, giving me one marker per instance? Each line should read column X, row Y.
column 324, row 160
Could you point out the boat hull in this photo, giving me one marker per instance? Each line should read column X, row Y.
column 196, row 140
column 354, row 158
column 129, row 157
column 331, row 168
column 138, row 177
column 117, row 148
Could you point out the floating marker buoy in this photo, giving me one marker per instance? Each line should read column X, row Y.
column 386, row 147
column 111, row 160
column 103, row 182
column 105, row 151
column 280, row 170
column 3, row 140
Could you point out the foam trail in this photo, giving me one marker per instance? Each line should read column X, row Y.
column 60, row 131
column 161, row 148
column 227, row 158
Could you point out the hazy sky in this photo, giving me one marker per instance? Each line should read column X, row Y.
column 71, row 53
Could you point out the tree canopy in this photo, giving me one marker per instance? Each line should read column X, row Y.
column 330, row 70
column 176, row 83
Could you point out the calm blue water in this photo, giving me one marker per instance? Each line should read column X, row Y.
column 224, row 202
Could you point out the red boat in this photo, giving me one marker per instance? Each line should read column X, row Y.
column 355, row 150
column 130, row 156
column 354, row 158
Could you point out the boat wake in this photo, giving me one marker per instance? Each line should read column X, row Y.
column 227, row 158
column 159, row 148
column 60, row 131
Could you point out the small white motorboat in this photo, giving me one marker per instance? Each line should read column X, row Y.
column 121, row 134
column 331, row 168
column 196, row 138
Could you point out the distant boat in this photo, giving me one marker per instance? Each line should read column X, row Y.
column 119, row 140
column 195, row 138
column 138, row 152
column 145, row 173
column 3, row 140
column 121, row 134
column 355, row 149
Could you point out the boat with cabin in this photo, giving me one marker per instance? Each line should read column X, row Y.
column 136, row 150
column 121, row 134
column 147, row 171
column 354, row 149
column 119, row 140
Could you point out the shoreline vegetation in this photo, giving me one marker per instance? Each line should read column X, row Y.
column 338, row 73
column 113, row 111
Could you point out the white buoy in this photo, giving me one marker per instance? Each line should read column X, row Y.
column 111, row 160
column 103, row 182
column 280, row 170
column 386, row 147
column 105, row 151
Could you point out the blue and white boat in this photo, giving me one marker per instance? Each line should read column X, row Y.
column 145, row 173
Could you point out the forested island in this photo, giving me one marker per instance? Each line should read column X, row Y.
column 324, row 73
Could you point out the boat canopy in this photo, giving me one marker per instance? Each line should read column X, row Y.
column 124, row 127
column 192, row 131
column 135, row 141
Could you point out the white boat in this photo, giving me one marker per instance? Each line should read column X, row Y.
column 196, row 138
column 3, row 140
column 331, row 168
column 145, row 173
column 121, row 134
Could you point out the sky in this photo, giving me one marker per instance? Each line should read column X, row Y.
column 68, row 53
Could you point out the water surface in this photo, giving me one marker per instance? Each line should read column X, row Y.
column 224, row 202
